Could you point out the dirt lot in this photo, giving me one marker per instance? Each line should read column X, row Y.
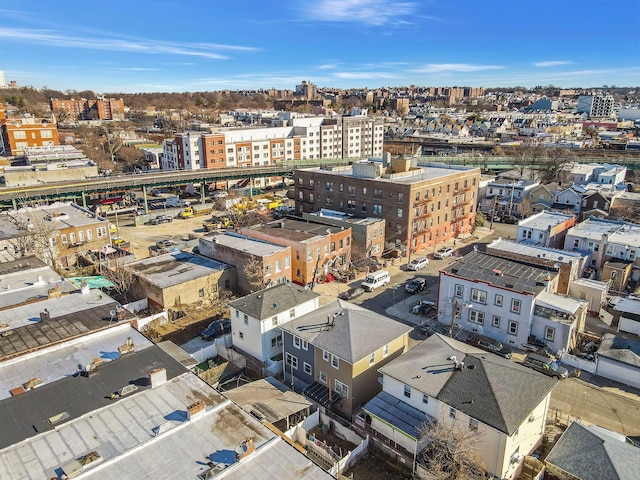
column 374, row 466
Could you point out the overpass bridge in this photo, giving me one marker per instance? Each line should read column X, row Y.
column 80, row 190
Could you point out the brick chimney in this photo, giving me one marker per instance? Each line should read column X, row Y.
column 157, row 377
column 196, row 410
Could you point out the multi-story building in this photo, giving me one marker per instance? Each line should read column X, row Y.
column 181, row 152
column 507, row 197
column 256, row 320
column 546, row 229
column 422, row 205
column 88, row 109
column 19, row 133
column 315, row 248
column 597, row 106
column 259, row 264
column 57, row 233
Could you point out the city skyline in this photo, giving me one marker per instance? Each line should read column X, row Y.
column 168, row 46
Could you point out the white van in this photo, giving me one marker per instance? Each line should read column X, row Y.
column 375, row 280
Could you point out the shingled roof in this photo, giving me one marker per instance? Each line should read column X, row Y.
column 272, row 301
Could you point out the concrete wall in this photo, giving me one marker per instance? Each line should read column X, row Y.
column 38, row 177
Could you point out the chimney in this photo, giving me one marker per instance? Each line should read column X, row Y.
column 157, row 377
column 45, row 316
column 84, row 287
column 127, row 347
column 196, row 410
column 55, row 292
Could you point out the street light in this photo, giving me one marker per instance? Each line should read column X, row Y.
column 457, row 310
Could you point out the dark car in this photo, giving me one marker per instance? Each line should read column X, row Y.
column 510, row 219
column 216, row 329
column 415, row 286
column 351, row 293
column 488, row 344
column 161, row 219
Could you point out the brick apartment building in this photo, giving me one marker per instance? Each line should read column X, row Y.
column 88, row 109
column 423, row 206
column 20, row 132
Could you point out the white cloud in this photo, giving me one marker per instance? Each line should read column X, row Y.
column 327, row 66
column 455, row 67
column 371, row 12
column 48, row 38
column 552, row 63
column 362, row 75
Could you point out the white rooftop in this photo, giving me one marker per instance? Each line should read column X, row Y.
column 593, row 229
column 544, row 220
column 249, row 245
column 628, row 305
column 558, row 302
column 544, row 253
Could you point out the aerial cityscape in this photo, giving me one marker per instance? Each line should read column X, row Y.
column 357, row 239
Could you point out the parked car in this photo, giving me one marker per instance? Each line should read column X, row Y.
column 510, row 219
column 351, row 293
column 545, row 365
column 161, row 219
column 443, row 253
column 418, row 263
column 164, row 243
column 216, row 329
column 220, row 194
column 423, row 307
column 488, row 344
column 415, row 286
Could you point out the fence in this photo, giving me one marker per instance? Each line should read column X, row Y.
column 579, row 363
column 350, row 458
column 225, row 352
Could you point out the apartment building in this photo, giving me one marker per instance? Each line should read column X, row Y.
column 423, row 206
column 597, row 106
column 315, row 248
column 88, row 109
column 547, row 229
column 19, row 133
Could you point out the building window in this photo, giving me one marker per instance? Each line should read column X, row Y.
column 459, row 291
column 325, row 355
column 479, row 296
column 473, row 425
column 296, row 342
column 425, row 398
column 385, row 350
column 495, row 321
column 63, row 239
column 399, row 213
column 476, row 317
column 452, row 412
column 322, row 377
column 515, row 305
column 307, row 368
column 292, row 362
column 335, row 361
column 305, row 345
column 549, row 333
column 576, row 243
column 377, row 209
column 241, row 335
column 246, row 319
column 341, row 388
column 372, row 358
column 201, row 292
column 498, row 300
column 278, row 266
column 513, row 328
column 407, row 391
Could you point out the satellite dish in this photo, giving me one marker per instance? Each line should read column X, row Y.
column 118, row 307
column 112, row 312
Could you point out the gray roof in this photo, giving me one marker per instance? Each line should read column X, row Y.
column 401, row 415
column 621, row 349
column 255, row 247
column 501, row 272
column 346, row 330
column 273, row 300
column 493, row 390
column 71, row 316
column 175, row 268
column 544, row 253
column 588, row 455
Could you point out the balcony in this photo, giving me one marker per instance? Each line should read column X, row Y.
column 462, row 190
column 423, row 213
column 424, row 201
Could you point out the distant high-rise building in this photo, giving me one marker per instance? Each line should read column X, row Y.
column 3, row 84
column 306, row 90
column 83, row 109
column 597, row 106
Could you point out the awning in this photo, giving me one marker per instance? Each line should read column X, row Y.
column 319, row 393
column 398, row 414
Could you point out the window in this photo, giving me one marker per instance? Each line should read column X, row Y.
column 305, row 345
column 549, row 333
column 399, row 213
column 452, row 412
column 322, row 377
column 478, row 296
column 335, row 361
column 274, row 321
column 89, row 235
column 459, row 291
column 498, row 300
column 241, row 335
column 296, row 341
column 513, row 328
column 425, row 398
column 307, row 368
column 476, row 317
column 325, row 355
column 292, row 362
column 515, row 305
column 401, row 197
column 377, row 209
column 473, row 424
column 407, row 391
column 372, row 358
column 278, row 266
column 63, row 239
column 201, row 292
column 341, row 388
column 495, row 321
column 276, row 341
column 385, row 350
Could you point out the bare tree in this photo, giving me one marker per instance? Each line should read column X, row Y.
column 450, row 451
column 256, row 274
column 116, row 271
column 555, row 165
column 525, row 158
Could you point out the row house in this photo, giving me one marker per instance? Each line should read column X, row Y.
column 316, row 250
column 613, row 248
column 258, row 264
column 423, row 206
column 500, row 404
column 257, row 320
column 506, row 300
column 334, row 352
column 507, row 197
column 547, row 229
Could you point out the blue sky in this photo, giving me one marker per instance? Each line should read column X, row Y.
column 200, row 45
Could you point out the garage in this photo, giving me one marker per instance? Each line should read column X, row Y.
column 618, row 359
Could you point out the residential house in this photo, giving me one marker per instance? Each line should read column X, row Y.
column 546, row 229
column 315, row 248
column 626, row 206
column 508, row 197
column 58, row 233
column 179, row 278
column 508, row 301
column 259, row 264
column 334, row 353
column 618, row 358
column 568, row 199
column 609, row 174
column 450, row 382
column 595, row 203
column 582, row 173
column 592, row 453
column 541, row 197
column 628, row 312
column 256, row 319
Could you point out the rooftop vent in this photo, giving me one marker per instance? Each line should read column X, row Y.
column 45, row 316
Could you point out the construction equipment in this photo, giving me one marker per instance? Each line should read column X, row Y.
column 195, row 211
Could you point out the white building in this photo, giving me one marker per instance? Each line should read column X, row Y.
column 598, row 106
column 255, row 319
column 547, row 229
column 450, row 382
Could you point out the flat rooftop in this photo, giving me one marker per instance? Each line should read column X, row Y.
column 293, row 230
column 239, row 242
column 500, row 272
column 175, row 268
column 593, row 229
column 70, row 316
column 544, row 253
column 544, row 220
